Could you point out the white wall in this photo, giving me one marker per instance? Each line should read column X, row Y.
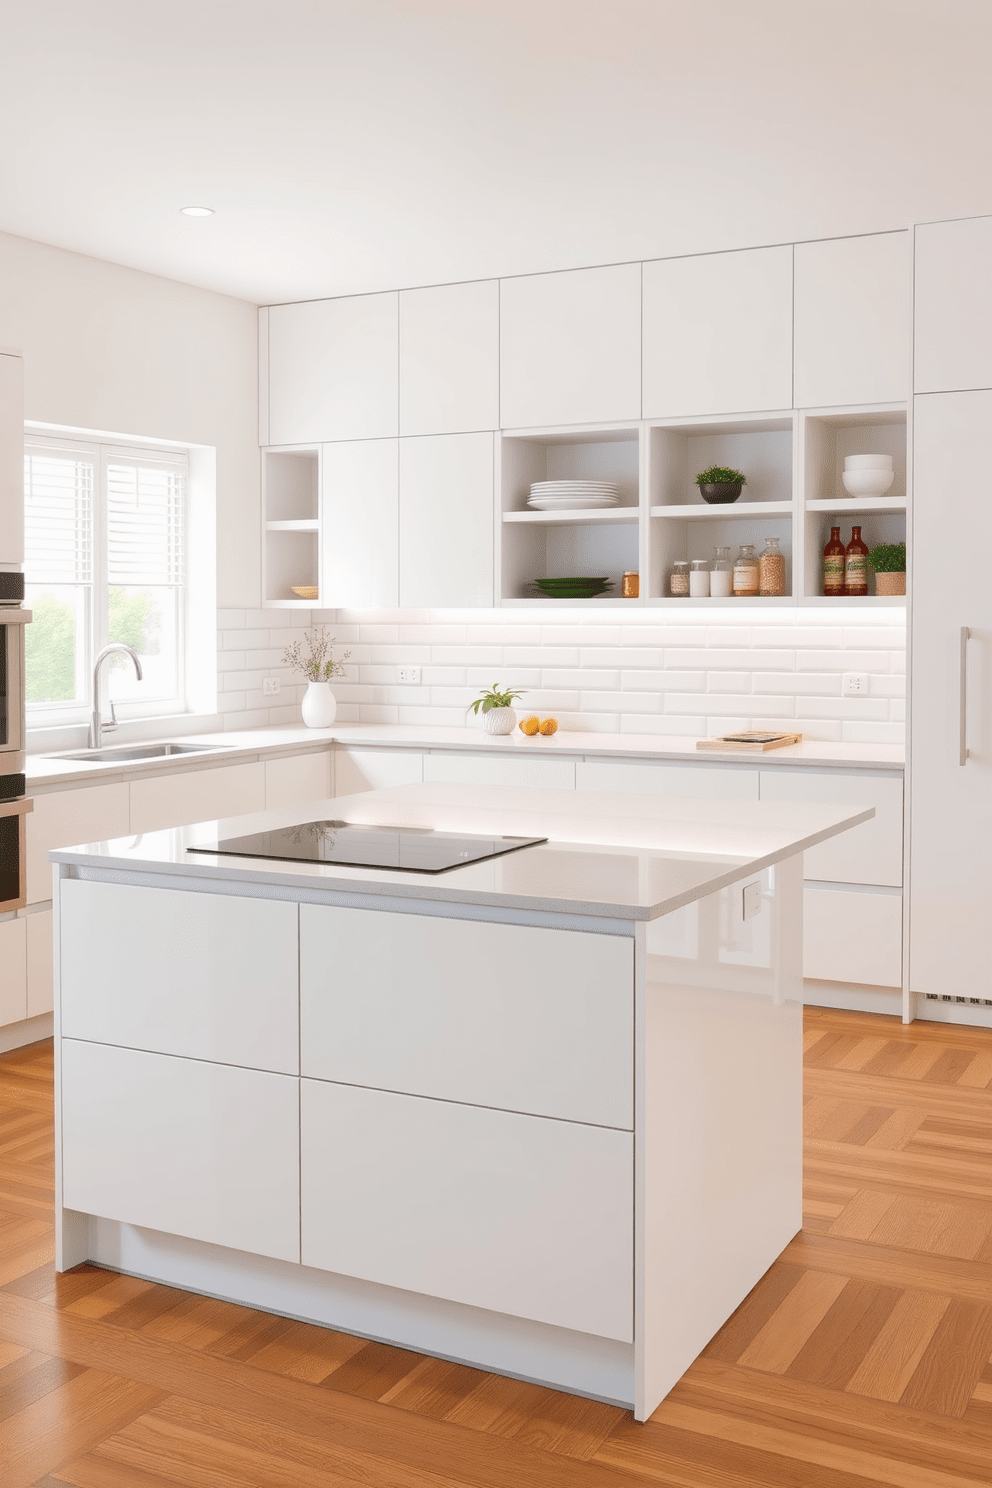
column 124, row 352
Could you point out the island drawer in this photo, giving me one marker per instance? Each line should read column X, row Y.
column 512, row 1213
column 516, row 1017
column 205, row 976
column 195, row 1149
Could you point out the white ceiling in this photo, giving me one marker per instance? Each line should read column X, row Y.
column 350, row 145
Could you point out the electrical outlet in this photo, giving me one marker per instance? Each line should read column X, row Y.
column 270, row 686
column 855, row 684
column 410, row 674
column 751, row 900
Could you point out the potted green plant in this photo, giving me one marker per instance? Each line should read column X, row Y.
column 314, row 657
column 496, row 707
column 720, row 483
column 889, row 562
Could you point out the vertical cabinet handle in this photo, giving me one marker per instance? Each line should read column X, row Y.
column 963, row 696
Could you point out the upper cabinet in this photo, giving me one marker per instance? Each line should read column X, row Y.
column 953, row 327
column 11, row 461
column 718, row 333
column 570, row 347
column 852, row 316
column 359, row 524
column 446, row 521
column 449, row 358
column 333, row 370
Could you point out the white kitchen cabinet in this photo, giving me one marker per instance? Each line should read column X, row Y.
column 512, row 1213
column 38, row 928
column 11, row 461
column 692, row 781
column 297, row 779
column 446, row 485
column 359, row 524
column 449, row 358
column 718, row 333
column 482, row 1039
column 951, row 718
column 159, row 801
column 375, row 769
column 852, row 317
column 201, row 1150
column 570, row 347
column 502, row 769
column 852, row 937
column 333, row 369
column 93, row 813
column 13, row 971
column 953, row 318
column 869, row 854
column 218, row 974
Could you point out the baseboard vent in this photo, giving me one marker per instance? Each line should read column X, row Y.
column 968, row 1001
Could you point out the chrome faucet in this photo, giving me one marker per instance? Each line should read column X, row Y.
column 97, row 725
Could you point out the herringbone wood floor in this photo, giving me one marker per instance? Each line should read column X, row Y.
column 863, row 1357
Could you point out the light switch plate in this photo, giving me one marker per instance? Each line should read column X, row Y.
column 751, row 900
column 270, row 686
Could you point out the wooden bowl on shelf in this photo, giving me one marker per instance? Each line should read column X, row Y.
column 304, row 591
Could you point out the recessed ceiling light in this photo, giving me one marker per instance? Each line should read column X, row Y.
column 197, row 211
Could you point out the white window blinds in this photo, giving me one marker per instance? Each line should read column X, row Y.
column 58, row 517
column 146, row 529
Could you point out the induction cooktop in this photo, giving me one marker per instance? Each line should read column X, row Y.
column 355, row 845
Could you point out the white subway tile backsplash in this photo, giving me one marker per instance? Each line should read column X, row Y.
column 641, row 676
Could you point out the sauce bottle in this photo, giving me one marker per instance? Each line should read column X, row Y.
column 856, row 564
column 833, row 565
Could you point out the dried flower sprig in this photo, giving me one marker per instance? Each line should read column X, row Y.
column 316, row 662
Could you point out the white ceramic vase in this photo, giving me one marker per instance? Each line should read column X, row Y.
column 499, row 720
column 319, row 705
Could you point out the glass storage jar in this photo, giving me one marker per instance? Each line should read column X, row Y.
column 699, row 579
column 721, row 574
column 771, row 569
column 746, row 572
column 678, row 583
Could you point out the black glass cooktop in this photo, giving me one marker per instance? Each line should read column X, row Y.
column 351, row 845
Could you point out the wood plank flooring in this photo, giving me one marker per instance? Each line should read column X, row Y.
column 864, row 1357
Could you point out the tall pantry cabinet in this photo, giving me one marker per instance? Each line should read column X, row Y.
column 951, row 623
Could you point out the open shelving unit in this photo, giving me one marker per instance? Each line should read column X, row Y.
column 535, row 545
column 290, row 526
column 826, row 438
column 683, row 526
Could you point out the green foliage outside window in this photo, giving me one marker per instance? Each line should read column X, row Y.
column 50, row 641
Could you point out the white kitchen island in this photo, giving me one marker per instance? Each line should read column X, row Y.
column 540, row 1114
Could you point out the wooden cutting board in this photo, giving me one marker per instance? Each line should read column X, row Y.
column 755, row 741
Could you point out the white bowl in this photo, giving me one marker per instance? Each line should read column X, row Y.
column 867, row 482
column 868, row 462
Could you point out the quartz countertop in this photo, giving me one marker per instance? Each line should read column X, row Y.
column 45, row 772
column 619, row 856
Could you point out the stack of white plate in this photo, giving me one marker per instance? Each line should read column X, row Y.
column 573, row 495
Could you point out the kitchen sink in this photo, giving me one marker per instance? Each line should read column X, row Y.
column 125, row 753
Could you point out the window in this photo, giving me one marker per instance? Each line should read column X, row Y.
column 105, row 560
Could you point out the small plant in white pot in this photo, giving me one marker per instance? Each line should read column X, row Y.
column 314, row 657
column 496, row 707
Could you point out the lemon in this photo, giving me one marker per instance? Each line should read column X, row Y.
column 530, row 725
column 549, row 726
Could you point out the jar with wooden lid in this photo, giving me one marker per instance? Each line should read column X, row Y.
column 746, row 572
column 771, row 569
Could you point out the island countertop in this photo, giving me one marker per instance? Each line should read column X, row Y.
column 612, row 855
